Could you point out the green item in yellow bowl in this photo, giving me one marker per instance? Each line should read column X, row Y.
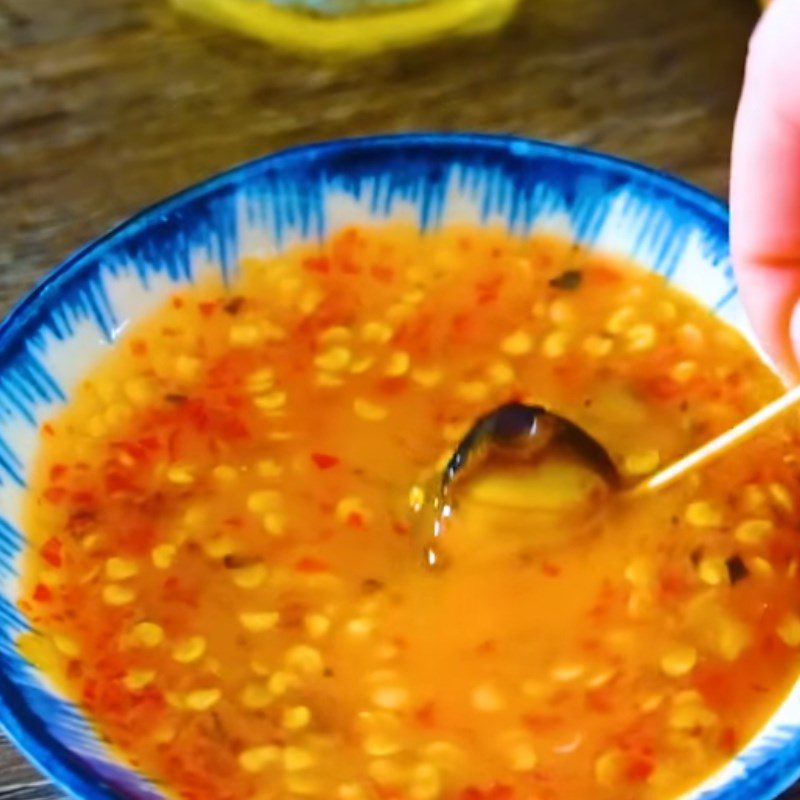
column 351, row 28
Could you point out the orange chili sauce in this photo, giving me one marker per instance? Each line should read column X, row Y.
column 225, row 575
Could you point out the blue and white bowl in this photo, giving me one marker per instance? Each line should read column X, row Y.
column 56, row 334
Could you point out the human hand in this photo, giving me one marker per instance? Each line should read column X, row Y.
column 765, row 185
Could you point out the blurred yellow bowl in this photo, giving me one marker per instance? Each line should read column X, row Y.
column 352, row 35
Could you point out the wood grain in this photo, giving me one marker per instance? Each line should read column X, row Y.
column 109, row 105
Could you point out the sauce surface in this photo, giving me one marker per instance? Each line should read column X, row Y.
column 225, row 574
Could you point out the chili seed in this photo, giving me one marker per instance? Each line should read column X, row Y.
column 225, row 474
column 219, row 548
column 753, row 531
column 189, row 650
column 329, row 381
column 521, row 755
column 256, row 696
column 501, row 373
column 271, row 332
column 116, row 595
column 733, row 636
column 702, row 514
column 351, row 791
column 760, row 566
column 202, row 699
column 259, row 621
column 273, row 401
column 781, row 497
column 280, row 682
column 317, row 625
column 425, row 782
column 118, row 414
column 187, row 368
column 66, row 646
column 712, row 570
column 334, row 360
column 679, row 661
column 377, row 332
column 250, row 577
column 639, row 573
column 336, row 334
column 148, row 634
column 304, row 659
column 386, row 772
column 601, row 679
column 260, row 381
column 296, row 718
column 180, row 475
column 391, row 698
column 789, row 630
column 257, row 759
column 555, row 344
column 445, row 755
column 296, row 759
column 487, row 698
column 309, row 301
column 683, row 371
column 263, row 501
column 195, row 516
column 517, row 344
column 91, row 542
column 369, row 411
column 620, row 320
column 561, row 313
column 692, row 717
column 564, row 673
column 398, row 365
column 274, row 523
column 381, row 743
column 651, row 703
column 267, row 468
column 121, row 569
column 416, row 497
column 360, row 627
column 454, row 431
column 472, row 391
column 96, row 427
column 642, row 462
column 164, row 734
column 138, row 679
column 244, row 335
column 535, row 689
column 302, row 784
column 691, row 337
column 609, row 767
column 139, row 391
column 640, row 337
column 362, row 365
column 754, row 499
column 352, row 507
column 427, row 377
column 598, row 346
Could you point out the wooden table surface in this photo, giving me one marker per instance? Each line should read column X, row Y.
column 108, row 105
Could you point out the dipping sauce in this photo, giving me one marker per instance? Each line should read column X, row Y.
column 225, row 575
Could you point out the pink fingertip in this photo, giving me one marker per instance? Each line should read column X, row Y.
column 765, row 181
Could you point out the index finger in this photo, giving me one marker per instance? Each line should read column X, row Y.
column 765, row 183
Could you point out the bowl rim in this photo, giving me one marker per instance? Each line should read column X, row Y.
column 25, row 730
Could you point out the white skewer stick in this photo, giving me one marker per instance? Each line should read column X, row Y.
column 716, row 447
